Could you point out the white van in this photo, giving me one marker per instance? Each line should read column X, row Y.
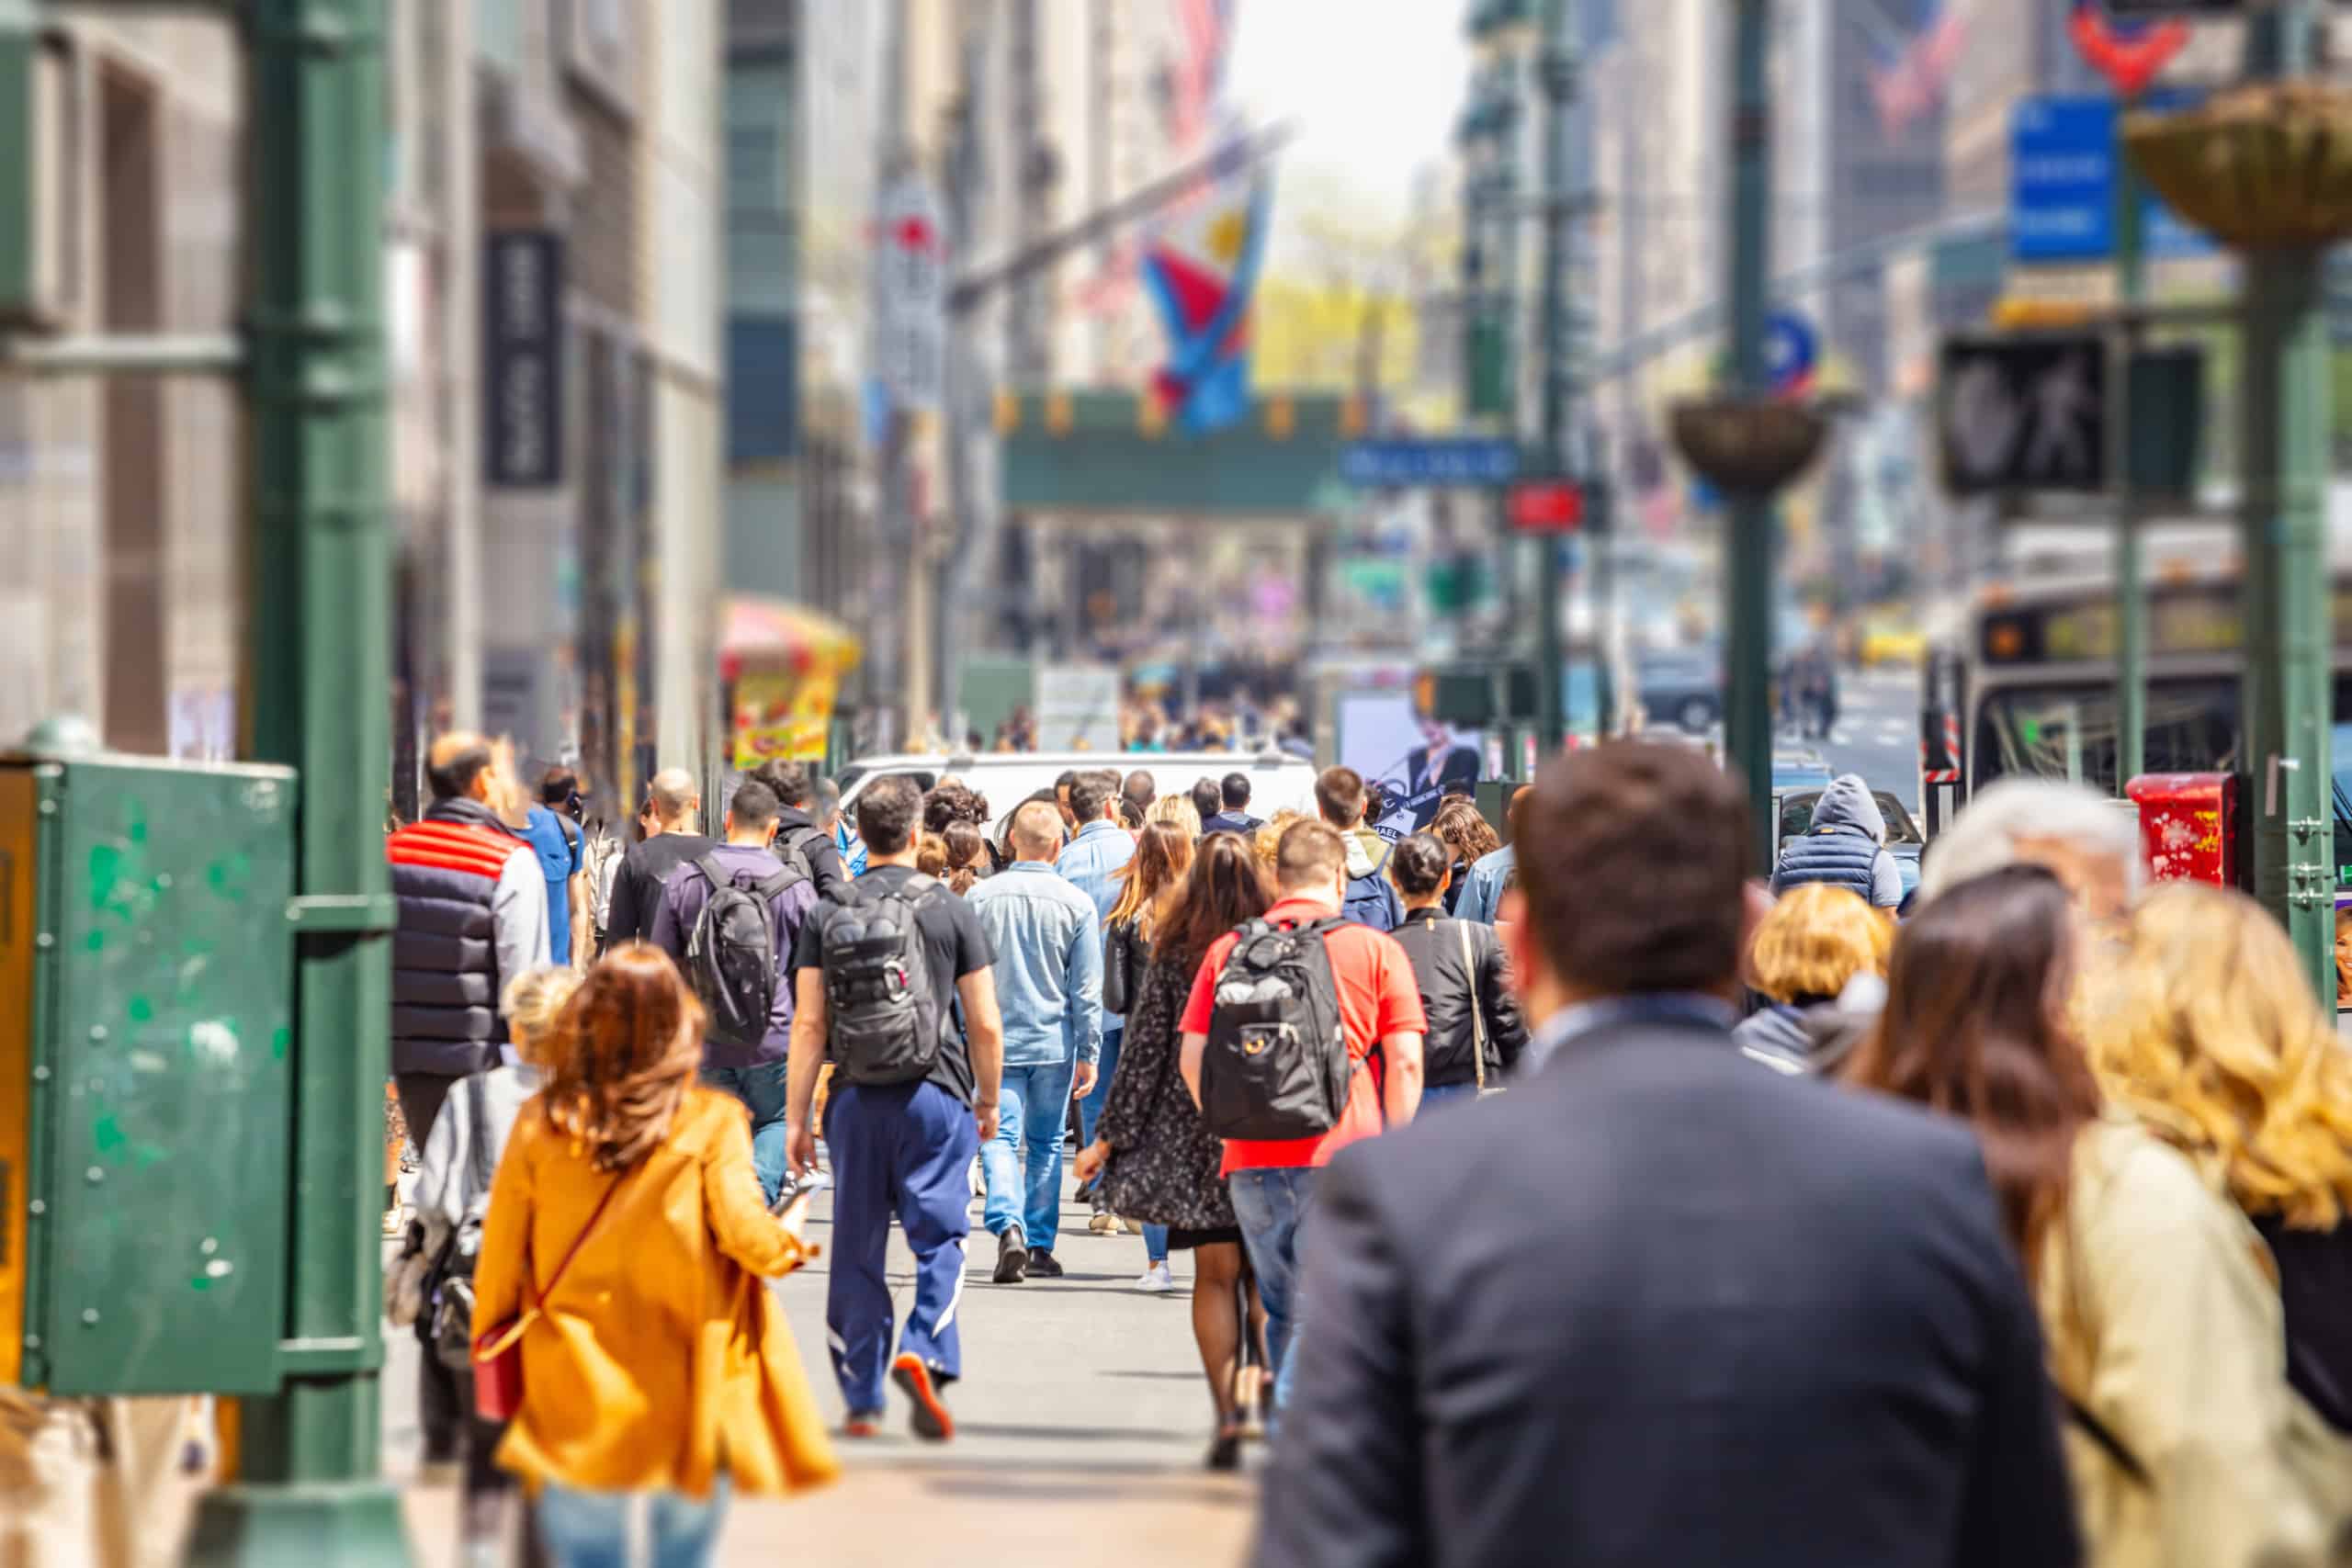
column 1278, row 781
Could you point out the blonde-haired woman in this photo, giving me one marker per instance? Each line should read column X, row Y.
column 1807, row 956
column 1178, row 811
column 658, row 1364
column 436, row 1278
column 2205, row 1028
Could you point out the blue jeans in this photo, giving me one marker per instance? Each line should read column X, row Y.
column 1272, row 1205
column 1089, row 1109
column 590, row 1529
column 1023, row 1162
column 1437, row 1094
column 761, row 1087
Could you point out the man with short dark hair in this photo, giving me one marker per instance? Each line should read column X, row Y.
column 1140, row 788
column 552, row 830
column 1101, row 847
column 1495, row 873
column 753, row 1073
column 1693, row 1213
column 671, row 839
column 1341, row 798
column 1206, row 802
column 1233, row 807
column 1273, row 1183
column 1062, row 787
column 800, row 840
column 900, row 1150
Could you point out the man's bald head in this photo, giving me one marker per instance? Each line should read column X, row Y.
column 1037, row 831
column 458, row 766
column 673, row 797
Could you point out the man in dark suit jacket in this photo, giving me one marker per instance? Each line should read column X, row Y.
column 1657, row 1305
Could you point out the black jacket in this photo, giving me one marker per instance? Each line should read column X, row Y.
column 645, row 869
column 1453, row 996
column 823, row 855
column 1654, row 1307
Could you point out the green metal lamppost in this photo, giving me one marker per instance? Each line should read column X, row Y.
column 2263, row 168
column 1743, row 443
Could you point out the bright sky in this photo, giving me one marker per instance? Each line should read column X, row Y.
column 1374, row 84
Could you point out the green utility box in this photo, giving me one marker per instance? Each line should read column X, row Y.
column 146, row 1013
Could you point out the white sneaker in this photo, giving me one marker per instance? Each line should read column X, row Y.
column 1156, row 1281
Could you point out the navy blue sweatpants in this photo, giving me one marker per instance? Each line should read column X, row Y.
column 907, row 1150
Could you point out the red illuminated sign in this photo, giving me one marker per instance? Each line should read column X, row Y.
column 1547, row 506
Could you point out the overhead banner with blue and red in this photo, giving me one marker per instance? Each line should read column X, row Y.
column 1202, row 270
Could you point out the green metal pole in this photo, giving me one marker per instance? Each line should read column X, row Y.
column 1750, row 519
column 320, row 659
column 2131, row 591
column 2287, row 698
column 1558, row 79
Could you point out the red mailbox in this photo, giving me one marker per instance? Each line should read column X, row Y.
column 2188, row 826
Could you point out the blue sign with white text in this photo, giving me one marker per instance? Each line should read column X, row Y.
column 1406, row 464
column 2062, row 185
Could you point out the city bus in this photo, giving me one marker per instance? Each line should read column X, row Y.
column 2037, row 665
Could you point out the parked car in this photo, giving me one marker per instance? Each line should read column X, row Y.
column 1682, row 686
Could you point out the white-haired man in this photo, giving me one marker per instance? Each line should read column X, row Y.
column 2090, row 841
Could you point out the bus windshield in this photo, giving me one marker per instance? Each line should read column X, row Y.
column 2060, row 732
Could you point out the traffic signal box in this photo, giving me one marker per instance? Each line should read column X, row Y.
column 146, row 992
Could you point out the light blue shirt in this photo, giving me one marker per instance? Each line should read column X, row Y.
column 1482, row 890
column 1688, row 1008
column 1048, row 946
column 1092, row 862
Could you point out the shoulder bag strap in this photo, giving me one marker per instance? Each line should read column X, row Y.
column 718, row 876
column 1477, row 1007
column 537, row 1309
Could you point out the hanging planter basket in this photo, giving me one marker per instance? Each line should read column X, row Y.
column 2264, row 168
column 1747, row 446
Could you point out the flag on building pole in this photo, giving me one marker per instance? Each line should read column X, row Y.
column 1201, row 270
column 1908, row 81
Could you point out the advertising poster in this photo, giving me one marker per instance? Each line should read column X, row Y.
column 1411, row 761
column 780, row 715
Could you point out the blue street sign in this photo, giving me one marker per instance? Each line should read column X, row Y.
column 1406, row 465
column 2062, row 185
column 1791, row 350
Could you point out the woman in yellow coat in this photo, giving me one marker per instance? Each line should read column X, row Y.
column 660, row 1364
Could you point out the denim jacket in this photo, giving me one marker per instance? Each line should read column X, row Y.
column 1092, row 862
column 1482, row 896
column 1048, row 946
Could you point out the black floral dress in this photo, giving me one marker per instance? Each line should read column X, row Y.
column 1164, row 1165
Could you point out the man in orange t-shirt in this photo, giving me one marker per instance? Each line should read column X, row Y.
column 1273, row 1183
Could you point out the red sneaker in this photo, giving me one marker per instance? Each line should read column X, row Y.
column 931, row 1418
column 862, row 1424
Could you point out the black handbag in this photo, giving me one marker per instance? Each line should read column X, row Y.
column 1118, row 968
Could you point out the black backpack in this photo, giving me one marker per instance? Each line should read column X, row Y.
column 791, row 847
column 885, row 1027
column 1277, row 1064
column 731, row 957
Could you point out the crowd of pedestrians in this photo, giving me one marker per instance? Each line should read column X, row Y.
column 1570, row 1188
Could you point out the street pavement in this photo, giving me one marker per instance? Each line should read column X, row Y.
column 1877, row 732
column 1081, row 1420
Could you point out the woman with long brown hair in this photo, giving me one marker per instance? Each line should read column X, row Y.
column 1158, row 1162
column 2163, row 1335
column 623, row 1250
column 1163, row 854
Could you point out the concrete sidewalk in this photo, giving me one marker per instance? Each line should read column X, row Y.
column 1082, row 1419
